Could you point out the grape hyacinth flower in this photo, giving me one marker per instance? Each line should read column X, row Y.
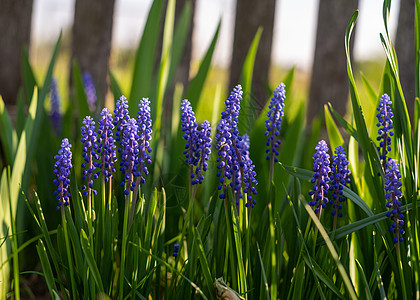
column 393, row 194
column 106, row 146
column 202, row 152
column 249, row 174
column 62, row 168
column 175, row 251
column 273, row 122
column 121, row 117
column 189, row 128
column 90, row 90
column 55, row 114
column 226, row 137
column 233, row 161
column 129, row 155
column 320, row 179
column 339, row 178
column 385, row 128
column 89, row 154
column 144, row 124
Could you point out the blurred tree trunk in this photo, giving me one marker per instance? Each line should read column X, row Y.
column 329, row 81
column 15, row 34
column 91, row 41
column 404, row 45
column 251, row 14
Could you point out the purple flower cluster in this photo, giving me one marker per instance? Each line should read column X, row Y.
column 129, row 155
column 90, row 90
column 106, row 145
column 385, row 127
column 121, row 117
column 393, row 194
column 202, row 152
column 89, row 154
column 339, row 178
column 144, row 124
column 273, row 122
column 62, row 168
column 55, row 114
column 175, row 251
column 320, row 179
column 233, row 161
column 198, row 146
column 189, row 128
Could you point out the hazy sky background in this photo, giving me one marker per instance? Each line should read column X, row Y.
column 294, row 29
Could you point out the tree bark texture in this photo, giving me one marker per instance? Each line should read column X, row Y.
column 329, row 81
column 15, row 34
column 250, row 15
column 91, row 40
column 404, row 45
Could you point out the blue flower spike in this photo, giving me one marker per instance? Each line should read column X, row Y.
column 273, row 122
column 144, row 124
column 190, row 133
column 121, row 117
column 320, row 180
column 202, row 152
column 385, row 128
column 393, row 195
column 226, row 138
column 340, row 177
column 106, row 145
column 89, row 154
column 62, row 169
column 129, row 155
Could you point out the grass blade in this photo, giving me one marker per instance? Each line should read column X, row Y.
column 347, row 282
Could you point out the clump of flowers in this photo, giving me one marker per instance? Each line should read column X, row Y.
column 393, row 195
column 89, row 154
column 129, row 155
column 62, row 168
column 106, row 145
column 320, row 179
column 144, row 124
column 202, row 152
column 385, row 128
column 121, row 116
column 273, row 122
column 90, row 90
column 339, row 178
column 233, row 161
column 198, row 145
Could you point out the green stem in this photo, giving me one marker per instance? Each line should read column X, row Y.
column 66, row 237
column 15, row 253
column 124, row 245
column 400, row 269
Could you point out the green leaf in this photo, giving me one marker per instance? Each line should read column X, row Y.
column 87, row 251
column 347, row 282
column 203, row 261
column 8, row 137
column 195, row 87
column 143, row 68
column 333, row 132
column 320, row 273
column 247, row 116
column 46, row 267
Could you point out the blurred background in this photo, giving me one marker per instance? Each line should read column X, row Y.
column 305, row 34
